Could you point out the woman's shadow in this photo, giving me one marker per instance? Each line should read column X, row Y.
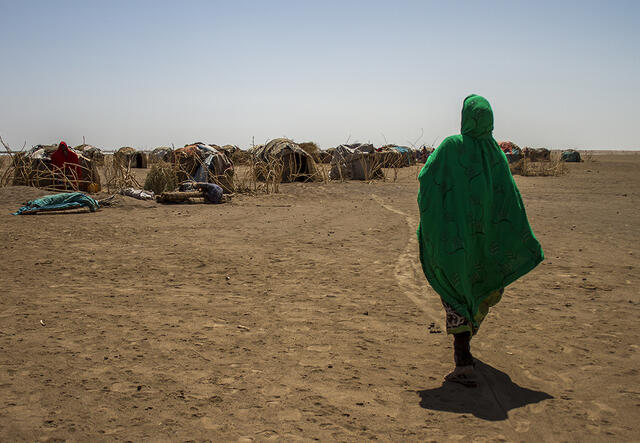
column 492, row 399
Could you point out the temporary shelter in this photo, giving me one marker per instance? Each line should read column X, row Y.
column 34, row 168
column 131, row 158
column 325, row 156
column 537, row 154
column 204, row 163
column 285, row 159
column 355, row 162
column 162, row 153
column 511, row 150
column 228, row 150
column 392, row 156
column 570, row 155
column 92, row 153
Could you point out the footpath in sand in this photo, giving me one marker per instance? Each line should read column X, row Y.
column 305, row 315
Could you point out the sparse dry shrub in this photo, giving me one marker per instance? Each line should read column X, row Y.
column 241, row 157
column 269, row 173
column 527, row 168
column 118, row 175
column 587, row 156
column 161, row 178
column 311, row 148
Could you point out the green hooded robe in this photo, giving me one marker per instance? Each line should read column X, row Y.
column 474, row 234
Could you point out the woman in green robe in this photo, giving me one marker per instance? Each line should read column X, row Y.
column 474, row 235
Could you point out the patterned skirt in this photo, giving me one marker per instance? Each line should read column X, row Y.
column 457, row 323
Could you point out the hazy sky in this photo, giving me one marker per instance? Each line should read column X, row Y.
column 560, row 74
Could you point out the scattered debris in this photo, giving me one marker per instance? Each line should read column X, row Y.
column 208, row 192
column 140, row 194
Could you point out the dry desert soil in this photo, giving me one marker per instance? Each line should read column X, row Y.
column 304, row 316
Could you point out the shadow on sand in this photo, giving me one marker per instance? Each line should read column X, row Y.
column 492, row 399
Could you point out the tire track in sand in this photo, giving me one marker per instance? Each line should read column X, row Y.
column 407, row 268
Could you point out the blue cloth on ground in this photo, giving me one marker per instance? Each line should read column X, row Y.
column 59, row 202
column 211, row 192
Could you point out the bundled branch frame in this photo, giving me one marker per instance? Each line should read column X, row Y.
column 21, row 171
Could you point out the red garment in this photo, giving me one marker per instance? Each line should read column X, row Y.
column 65, row 159
column 507, row 147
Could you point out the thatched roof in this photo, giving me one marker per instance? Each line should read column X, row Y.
column 126, row 150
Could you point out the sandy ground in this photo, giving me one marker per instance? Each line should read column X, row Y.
column 305, row 316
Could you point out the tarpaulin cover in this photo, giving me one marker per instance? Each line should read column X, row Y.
column 59, row 202
column 570, row 156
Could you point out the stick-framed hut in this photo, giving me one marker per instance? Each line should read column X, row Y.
column 34, row 168
column 355, row 162
column 131, row 158
column 286, row 160
column 204, row 163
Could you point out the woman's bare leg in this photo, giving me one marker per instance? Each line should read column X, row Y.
column 462, row 357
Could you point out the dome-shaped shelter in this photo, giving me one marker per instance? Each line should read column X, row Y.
column 35, row 168
column 286, row 159
column 131, row 158
column 571, row 156
column 204, row 163
column 91, row 152
column 162, row 153
column 394, row 156
column 511, row 150
column 537, row 154
column 356, row 162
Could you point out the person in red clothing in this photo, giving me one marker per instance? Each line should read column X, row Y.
column 65, row 161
